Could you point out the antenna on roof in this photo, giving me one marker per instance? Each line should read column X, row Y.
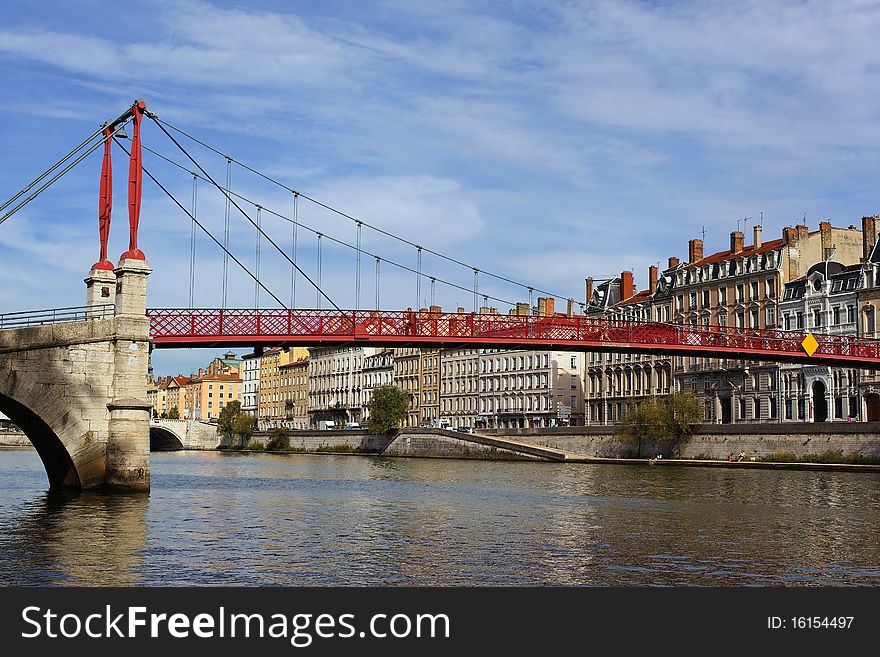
column 704, row 237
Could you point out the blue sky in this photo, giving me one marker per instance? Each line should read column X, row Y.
column 546, row 141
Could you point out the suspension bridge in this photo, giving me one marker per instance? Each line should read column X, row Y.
column 98, row 354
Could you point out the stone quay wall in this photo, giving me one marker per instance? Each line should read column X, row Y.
column 715, row 441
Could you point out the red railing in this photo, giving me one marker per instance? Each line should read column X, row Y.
column 210, row 327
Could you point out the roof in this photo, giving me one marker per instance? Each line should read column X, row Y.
column 235, row 378
column 299, row 361
column 638, row 297
column 772, row 245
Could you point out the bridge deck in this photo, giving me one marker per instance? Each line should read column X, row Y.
column 175, row 328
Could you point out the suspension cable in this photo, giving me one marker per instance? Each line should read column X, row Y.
column 51, row 181
column 340, row 242
column 293, row 251
column 192, row 242
column 200, row 225
column 257, row 268
column 24, row 190
column 237, row 207
column 345, row 215
column 226, row 231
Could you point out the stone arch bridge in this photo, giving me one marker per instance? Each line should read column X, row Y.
column 74, row 382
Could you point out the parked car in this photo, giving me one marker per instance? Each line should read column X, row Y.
column 352, row 425
column 465, row 429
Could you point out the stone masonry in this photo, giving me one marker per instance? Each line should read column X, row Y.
column 78, row 389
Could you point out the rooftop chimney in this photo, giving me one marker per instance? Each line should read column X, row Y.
column 522, row 309
column 736, row 241
column 673, row 262
column 652, row 278
column 589, row 291
column 825, row 232
column 459, row 310
column 789, row 235
column 695, row 251
column 757, row 233
column 569, row 310
column 626, row 285
column 870, row 227
column 802, row 230
column 542, row 306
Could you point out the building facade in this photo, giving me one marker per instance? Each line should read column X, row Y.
column 459, row 386
column 429, row 386
column 378, row 371
column 294, row 377
column 406, row 376
column 523, row 388
column 250, row 375
column 336, row 384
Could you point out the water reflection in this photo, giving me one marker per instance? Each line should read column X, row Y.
column 85, row 539
column 218, row 518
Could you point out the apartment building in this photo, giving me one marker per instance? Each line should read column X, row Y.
column 823, row 301
column 336, row 384
column 207, row 394
column 406, row 372
column 741, row 287
column 429, row 388
column 294, row 377
column 459, row 386
column 378, row 371
column 250, row 375
column 524, row 388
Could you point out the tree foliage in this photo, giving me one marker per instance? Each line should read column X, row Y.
column 388, row 407
column 666, row 420
column 174, row 413
column 243, row 425
column 279, row 440
column 227, row 417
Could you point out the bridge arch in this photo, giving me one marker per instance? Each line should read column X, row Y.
column 56, row 459
column 163, row 439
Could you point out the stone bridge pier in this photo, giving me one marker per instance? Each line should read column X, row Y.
column 78, row 389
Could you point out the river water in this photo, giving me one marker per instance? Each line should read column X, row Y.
column 215, row 518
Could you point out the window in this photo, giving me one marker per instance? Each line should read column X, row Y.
column 800, row 320
column 574, row 361
column 693, row 300
column 869, row 319
column 835, row 314
column 787, row 320
column 771, row 288
column 705, row 298
column 739, row 292
column 740, row 319
column 574, row 381
column 754, row 290
column 754, row 318
column 722, row 295
column 851, row 314
column 817, row 317
column 771, row 317
column 681, row 301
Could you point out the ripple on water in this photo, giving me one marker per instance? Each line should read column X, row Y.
column 268, row 520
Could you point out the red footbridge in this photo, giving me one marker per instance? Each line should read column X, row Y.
column 176, row 328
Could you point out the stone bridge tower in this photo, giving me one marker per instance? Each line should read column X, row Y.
column 78, row 389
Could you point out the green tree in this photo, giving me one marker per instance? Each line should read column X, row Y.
column 279, row 440
column 388, row 407
column 226, row 418
column 666, row 420
column 174, row 413
column 163, row 416
column 243, row 426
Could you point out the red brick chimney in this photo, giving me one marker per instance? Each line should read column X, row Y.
column 695, row 251
column 673, row 262
column 589, row 291
column 789, row 235
column 803, row 231
column 626, row 285
column 550, row 305
column 870, row 226
column 736, row 241
column 652, row 278
column 825, row 232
